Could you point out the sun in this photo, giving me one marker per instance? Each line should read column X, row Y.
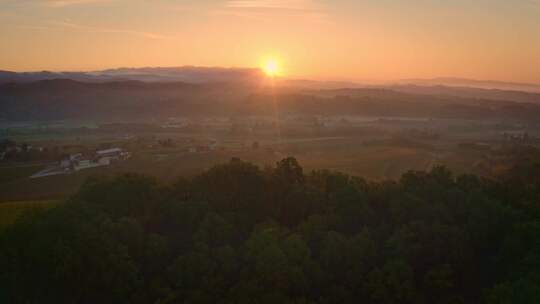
column 271, row 67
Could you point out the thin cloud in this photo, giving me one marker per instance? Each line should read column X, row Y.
column 267, row 10
column 69, row 26
column 93, row 29
column 64, row 3
column 300, row 5
column 54, row 3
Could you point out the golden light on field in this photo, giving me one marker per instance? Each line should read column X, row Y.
column 271, row 67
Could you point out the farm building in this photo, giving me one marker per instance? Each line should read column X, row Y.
column 113, row 154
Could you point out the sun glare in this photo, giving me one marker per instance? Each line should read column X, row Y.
column 271, row 67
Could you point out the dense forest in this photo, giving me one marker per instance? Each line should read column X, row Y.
column 241, row 234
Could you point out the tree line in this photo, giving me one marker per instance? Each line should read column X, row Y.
column 238, row 233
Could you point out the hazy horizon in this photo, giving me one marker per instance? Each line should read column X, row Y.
column 310, row 39
column 361, row 81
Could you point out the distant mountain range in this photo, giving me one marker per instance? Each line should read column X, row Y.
column 468, row 92
column 140, row 93
column 201, row 75
column 472, row 83
column 186, row 74
column 60, row 99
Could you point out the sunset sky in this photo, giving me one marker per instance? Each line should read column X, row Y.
column 319, row 39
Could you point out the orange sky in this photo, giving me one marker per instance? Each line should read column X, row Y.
column 320, row 39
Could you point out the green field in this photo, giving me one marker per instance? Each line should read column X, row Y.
column 372, row 156
column 17, row 172
column 10, row 211
column 349, row 155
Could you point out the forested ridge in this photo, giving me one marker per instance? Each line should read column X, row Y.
column 64, row 99
column 238, row 233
